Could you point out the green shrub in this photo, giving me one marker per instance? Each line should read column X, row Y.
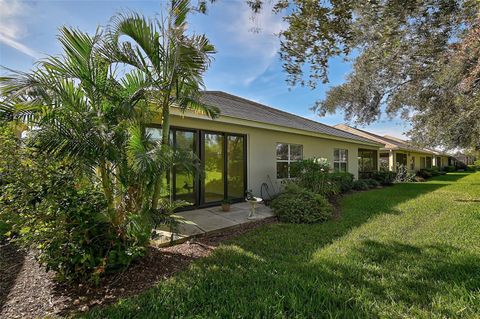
column 424, row 173
column 403, row 175
column 471, row 168
column 69, row 226
column 372, row 183
column 47, row 205
column 312, row 174
column 450, row 168
column 343, row 180
column 385, row 178
column 360, row 185
column 300, row 206
column 477, row 164
column 429, row 172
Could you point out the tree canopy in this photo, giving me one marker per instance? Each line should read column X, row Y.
column 414, row 58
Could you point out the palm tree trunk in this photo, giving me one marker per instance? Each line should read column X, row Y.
column 107, row 186
column 165, row 142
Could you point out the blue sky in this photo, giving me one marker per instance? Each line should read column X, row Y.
column 247, row 63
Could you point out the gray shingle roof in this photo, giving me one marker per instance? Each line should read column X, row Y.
column 390, row 142
column 237, row 107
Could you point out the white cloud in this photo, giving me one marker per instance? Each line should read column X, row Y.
column 255, row 36
column 13, row 15
column 241, row 36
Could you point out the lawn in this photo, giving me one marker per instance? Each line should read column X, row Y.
column 407, row 251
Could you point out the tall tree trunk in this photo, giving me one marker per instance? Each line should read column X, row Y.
column 164, row 142
column 106, row 186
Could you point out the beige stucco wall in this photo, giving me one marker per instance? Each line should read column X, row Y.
column 261, row 148
column 410, row 155
column 441, row 161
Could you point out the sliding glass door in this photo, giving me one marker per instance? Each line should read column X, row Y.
column 184, row 178
column 219, row 171
column 224, row 167
column 236, row 166
column 214, row 167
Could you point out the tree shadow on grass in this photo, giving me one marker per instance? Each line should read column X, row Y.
column 275, row 271
column 284, row 240
column 386, row 273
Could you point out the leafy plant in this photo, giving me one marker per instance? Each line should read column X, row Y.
column 403, row 175
column 429, row 172
column 227, row 201
column 298, row 205
column 343, row 180
column 360, row 185
column 64, row 217
column 450, row 168
column 372, row 183
column 90, row 123
column 313, row 174
column 385, row 178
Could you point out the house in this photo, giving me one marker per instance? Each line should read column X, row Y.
column 465, row 159
column 250, row 144
column 396, row 151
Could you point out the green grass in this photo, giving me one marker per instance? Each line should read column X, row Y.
column 407, row 251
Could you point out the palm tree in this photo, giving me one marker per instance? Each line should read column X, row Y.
column 84, row 112
column 172, row 62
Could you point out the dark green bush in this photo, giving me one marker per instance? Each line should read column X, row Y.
column 360, row 185
column 424, row 173
column 450, row 168
column 48, row 206
column 372, row 183
column 477, row 164
column 343, row 180
column 70, row 228
column 385, row 178
column 429, row 172
column 312, row 174
column 298, row 205
column 471, row 168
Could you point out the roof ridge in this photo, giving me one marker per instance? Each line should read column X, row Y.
column 380, row 137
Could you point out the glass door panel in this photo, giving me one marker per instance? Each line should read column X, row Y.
column 214, row 167
column 155, row 134
column 185, row 176
column 235, row 167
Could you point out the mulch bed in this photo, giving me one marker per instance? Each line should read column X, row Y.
column 27, row 291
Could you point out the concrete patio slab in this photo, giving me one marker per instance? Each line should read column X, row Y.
column 201, row 222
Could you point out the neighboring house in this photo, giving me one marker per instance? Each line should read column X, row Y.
column 396, row 151
column 442, row 159
column 251, row 144
column 465, row 159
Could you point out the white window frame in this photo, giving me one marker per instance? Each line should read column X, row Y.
column 289, row 159
column 339, row 161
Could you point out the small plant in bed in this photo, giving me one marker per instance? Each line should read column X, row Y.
column 300, row 206
column 226, row 204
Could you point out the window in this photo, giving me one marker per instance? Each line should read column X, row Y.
column 340, row 160
column 412, row 163
column 423, row 162
column 439, row 162
column 429, row 162
column 384, row 161
column 401, row 159
column 367, row 160
column 287, row 154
